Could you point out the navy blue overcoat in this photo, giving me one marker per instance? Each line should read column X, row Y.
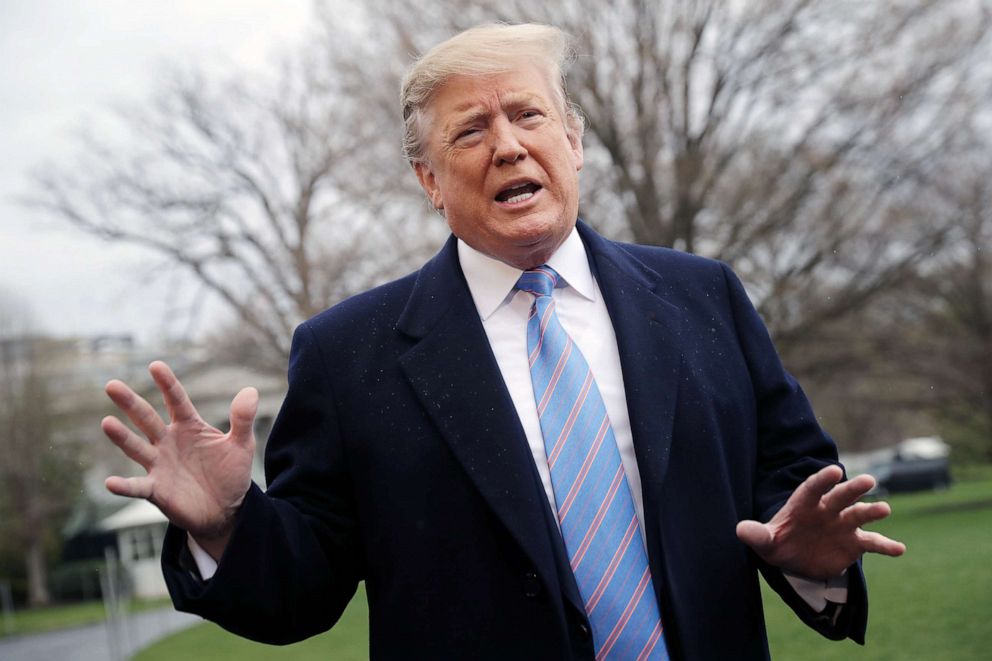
column 398, row 459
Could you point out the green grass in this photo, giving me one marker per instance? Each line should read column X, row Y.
column 933, row 603
column 347, row 641
column 51, row 618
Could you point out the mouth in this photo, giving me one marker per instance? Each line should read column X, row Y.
column 517, row 193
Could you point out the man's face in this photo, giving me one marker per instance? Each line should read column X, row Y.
column 503, row 165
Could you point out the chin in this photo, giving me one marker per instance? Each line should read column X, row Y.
column 534, row 248
column 538, row 227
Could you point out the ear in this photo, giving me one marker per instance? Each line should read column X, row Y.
column 575, row 140
column 429, row 183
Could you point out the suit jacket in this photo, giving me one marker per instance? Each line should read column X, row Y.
column 398, row 459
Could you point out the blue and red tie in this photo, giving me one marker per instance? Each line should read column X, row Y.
column 595, row 508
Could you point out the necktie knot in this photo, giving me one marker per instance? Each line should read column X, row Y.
column 539, row 281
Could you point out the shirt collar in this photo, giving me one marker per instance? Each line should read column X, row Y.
column 491, row 281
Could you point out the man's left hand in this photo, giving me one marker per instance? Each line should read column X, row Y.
column 817, row 533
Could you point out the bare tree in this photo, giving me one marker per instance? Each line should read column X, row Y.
column 939, row 335
column 963, row 369
column 280, row 195
column 794, row 139
column 791, row 138
column 39, row 472
column 806, row 142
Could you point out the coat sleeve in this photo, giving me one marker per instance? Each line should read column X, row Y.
column 791, row 447
column 295, row 558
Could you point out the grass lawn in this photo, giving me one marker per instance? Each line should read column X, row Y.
column 347, row 641
column 933, row 603
column 36, row 620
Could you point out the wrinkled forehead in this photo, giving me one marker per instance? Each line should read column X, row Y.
column 466, row 95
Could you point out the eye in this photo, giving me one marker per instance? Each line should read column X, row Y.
column 529, row 114
column 467, row 133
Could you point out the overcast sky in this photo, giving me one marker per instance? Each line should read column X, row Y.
column 62, row 62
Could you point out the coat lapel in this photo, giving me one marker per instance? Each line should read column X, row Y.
column 455, row 375
column 648, row 330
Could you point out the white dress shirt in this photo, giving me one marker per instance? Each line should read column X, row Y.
column 582, row 312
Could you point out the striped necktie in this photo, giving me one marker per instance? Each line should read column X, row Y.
column 595, row 508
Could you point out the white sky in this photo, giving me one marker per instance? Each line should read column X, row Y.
column 64, row 61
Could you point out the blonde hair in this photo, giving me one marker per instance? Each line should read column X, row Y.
column 485, row 50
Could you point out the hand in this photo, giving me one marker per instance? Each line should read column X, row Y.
column 817, row 533
column 197, row 475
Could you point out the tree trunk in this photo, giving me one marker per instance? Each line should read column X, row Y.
column 37, row 574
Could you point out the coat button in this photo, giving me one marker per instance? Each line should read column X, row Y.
column 532, row 585
column 584, row 631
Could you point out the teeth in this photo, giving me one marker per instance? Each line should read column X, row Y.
column 519, row 198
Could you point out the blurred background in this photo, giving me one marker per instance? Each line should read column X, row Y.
column 189, row 181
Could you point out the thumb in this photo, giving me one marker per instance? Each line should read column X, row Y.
column 756, row 535
column 243, row 410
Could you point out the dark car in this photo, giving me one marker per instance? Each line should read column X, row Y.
column 907, row 474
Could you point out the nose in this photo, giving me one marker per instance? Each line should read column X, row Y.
column 506, row 147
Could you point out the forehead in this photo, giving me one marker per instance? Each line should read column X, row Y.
column 469, row 95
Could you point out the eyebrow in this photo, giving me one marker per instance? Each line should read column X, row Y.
column 466, row 117
column 470, row 112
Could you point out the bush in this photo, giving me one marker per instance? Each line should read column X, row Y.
column 76, row 581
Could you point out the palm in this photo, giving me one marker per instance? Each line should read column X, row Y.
column 197, row 475
column 817, row 533
column 198, row 472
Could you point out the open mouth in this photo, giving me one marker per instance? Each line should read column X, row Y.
column 518, row 193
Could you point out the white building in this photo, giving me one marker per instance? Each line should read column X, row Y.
column 140, row 530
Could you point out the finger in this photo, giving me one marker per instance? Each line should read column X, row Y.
column 176, row 400
column 243, row 410
column 847, row 493
column 135, row 447
column 873, row 542
column 140, row 412
column 860, row 514
column 814, row 487
column 132, row 487
column 756, row 535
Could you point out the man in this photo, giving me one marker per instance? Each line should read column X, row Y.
column 541, row 445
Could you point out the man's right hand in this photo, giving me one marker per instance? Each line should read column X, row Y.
column 197, row 475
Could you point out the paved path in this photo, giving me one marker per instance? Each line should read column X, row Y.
column 94, row 643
